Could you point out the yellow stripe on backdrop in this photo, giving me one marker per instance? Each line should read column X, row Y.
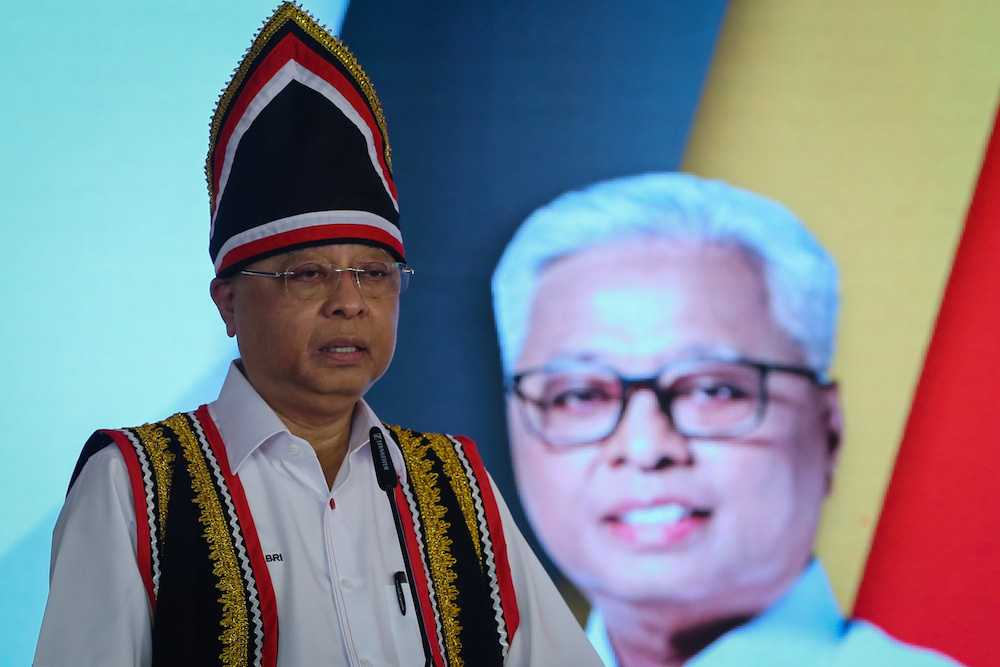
column 868, row 119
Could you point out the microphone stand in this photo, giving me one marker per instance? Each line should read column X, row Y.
column 385, row 473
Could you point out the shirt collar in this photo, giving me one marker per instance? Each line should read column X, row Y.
column 245, row 422
column 363, row 420
column 806, row 617
column 804, row 622
column 597, row 633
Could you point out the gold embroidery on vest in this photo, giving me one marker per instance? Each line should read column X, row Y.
column 436, row 540
column 453, row 467
column 162, row 458
column 236, row 627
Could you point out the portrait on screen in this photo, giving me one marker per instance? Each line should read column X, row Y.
column 674, row 429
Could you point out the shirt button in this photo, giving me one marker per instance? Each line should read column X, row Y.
column 294, row 450
column 365, row 662
column 347, row 584
column 276, row 463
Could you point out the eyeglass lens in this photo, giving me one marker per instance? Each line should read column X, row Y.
column 373, row 279
column 581, row 405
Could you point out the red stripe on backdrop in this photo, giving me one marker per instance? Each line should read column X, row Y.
column 933, row 575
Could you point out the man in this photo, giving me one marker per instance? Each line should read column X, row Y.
column 674, row 432
column 286, row 505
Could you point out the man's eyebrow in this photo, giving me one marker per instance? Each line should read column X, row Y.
column 290, row 254
column 707, row 351
column 693, row 351
column 575, row 358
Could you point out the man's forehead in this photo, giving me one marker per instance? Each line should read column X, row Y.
column 648, row 302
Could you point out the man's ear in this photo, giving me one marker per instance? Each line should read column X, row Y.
column 222, row 295
column 834, row 422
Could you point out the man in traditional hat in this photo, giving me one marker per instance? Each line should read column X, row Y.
column 674, row 432
column 286, row 505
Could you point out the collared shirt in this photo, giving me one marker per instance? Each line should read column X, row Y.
column 803, row 629
column 331, row 555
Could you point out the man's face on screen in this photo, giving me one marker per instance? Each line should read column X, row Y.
column 646, row 514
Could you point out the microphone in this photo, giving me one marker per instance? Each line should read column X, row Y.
column 385, row 473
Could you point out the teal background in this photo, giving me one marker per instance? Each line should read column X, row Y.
column 106, row 317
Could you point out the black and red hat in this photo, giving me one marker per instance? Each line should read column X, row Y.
column 298, row 153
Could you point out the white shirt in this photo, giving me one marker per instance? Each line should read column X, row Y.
column 803, row 629
column 331, row 556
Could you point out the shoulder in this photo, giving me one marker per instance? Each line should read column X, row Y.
column 413, row 437
column 458, row 459
column 99, row 459
column 115, row 444
column 867, row 644
column 418, row 442
column 98, row 451
column 100, row 494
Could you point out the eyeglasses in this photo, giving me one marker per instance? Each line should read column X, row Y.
column 579, row 403
column 312, row 281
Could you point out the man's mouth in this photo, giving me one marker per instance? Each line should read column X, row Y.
column 648, row 516
column 341, row 349
column 658, row 526
column 666, row 514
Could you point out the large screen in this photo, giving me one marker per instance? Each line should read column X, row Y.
column 866, row 120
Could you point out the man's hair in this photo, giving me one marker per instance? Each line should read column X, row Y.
column 801, row 276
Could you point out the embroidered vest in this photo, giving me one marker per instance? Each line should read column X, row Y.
column 206, row 575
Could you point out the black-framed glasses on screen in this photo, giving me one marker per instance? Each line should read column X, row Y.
column 578, row 403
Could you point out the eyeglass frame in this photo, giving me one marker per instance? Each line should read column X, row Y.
column 400, row 266
column 665, row 398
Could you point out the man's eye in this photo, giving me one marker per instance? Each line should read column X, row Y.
column 719, row 392
column 308, row 274
column 575, row 398
column 374, row 271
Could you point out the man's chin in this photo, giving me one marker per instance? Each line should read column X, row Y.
column 341, row 382
column 651, row 582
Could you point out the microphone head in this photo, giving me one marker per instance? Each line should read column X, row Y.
column 385, row 471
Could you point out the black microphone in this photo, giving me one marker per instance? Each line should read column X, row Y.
column 385, row 473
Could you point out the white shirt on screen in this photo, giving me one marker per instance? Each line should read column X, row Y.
column 803, row 629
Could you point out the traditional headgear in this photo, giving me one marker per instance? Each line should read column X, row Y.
column 298, row 153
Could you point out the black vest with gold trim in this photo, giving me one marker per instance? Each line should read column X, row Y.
column 206, row 575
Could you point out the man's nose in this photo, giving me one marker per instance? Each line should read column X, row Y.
column 343, row 295
column 645, row 437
